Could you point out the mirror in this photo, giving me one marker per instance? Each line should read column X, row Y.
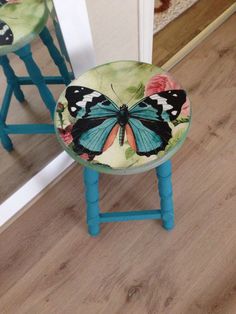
column 84, row 32
column 19, row 21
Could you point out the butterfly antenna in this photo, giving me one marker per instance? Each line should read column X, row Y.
column 134, row 94
column 116, row 94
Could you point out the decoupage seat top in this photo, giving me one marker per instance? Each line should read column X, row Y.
column 20, row 22
column 122, row 117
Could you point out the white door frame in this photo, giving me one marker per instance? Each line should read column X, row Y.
column 75, row 27
column 146, row 18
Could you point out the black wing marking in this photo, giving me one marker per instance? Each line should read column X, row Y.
column 82, row 98
column 6, row 34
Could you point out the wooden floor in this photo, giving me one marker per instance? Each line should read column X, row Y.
column 48, row 263
column 177, row 34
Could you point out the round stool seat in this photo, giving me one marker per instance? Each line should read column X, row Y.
column 122, row 117
column 20, row 23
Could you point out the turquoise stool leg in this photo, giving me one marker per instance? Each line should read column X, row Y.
column 95, row 218
column 165, row 191
column 5, row 139
column 91, row 178
column 35, row 74
column 55, row 54
column 11, row 78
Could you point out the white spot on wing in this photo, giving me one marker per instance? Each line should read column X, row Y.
column 88, row 98
column 4, row 30
column 161, row 101
column 174, row 113
column 167, row 107
column 81, row 103
column 73, row 109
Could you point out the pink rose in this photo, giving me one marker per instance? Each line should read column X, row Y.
column 13, row 1
column 185, row 111
column 65, row 134
column 160, row 83
column 84, row 156
column 163, row 82
column 60, row 107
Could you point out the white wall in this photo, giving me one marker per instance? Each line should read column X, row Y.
column 115, row 29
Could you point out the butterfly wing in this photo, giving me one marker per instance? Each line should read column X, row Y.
column 148, row 131
column 92, row 137
column 86, row 102
column 6, row 35
column 163, row 106
column 96, row 126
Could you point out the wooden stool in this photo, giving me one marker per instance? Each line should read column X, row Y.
column 124, row 117
column 20, row 23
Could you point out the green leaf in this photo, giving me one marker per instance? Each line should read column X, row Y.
column 174, row 140
column 132, row 89
column 129, row 153
column 180, row 120
column 138, row 91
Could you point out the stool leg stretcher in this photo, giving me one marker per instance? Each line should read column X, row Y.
column 35, row 78
column 95, row 218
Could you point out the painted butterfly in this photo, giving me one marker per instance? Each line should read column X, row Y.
column 145, row 124
column 6, row 35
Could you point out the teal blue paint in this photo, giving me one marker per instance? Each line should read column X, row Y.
column 49, row 80
column 95, row 218
column 92, row 199
column 55, row 54
column 5, row 139
column 12, row 79
column 165, row 116
column 35, row 78
column 93, row 139
column 165, row 191
column 138, row 112
column 26, row 55
column 132, row 215
column 146, row 139
column 30, row 129
column 6, row 102
column 98, row 111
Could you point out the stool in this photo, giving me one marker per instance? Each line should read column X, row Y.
column 121, row 118
column 20, row 23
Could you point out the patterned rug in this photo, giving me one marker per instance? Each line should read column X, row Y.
column 167, row 10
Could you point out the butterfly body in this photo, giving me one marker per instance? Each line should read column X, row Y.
column 145, row 124
column 122, row 119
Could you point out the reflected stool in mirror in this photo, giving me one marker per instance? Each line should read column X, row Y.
column 124, row 117
column 20, row 23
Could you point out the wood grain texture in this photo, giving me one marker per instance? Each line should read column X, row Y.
column 49, row 264
column 178, row 33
